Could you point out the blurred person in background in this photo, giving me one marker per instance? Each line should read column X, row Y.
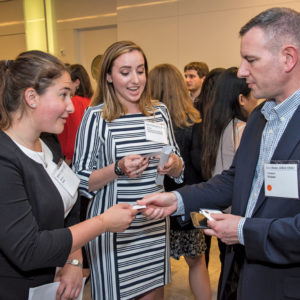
column 195, row 73
column 224, row 122
column 223, row 127
column 82, row 92
column 167, row 85
column 204, row 100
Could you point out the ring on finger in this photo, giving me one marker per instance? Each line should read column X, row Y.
column 137, row 172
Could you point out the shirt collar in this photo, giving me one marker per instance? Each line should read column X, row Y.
column 283, row 110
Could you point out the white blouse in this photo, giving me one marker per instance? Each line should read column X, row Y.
column 45, row 158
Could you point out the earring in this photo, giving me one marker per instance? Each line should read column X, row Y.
column 32, row 104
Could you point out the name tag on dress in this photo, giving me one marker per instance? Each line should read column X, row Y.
column 281, row 180
column 156, row 132
column 67, row 178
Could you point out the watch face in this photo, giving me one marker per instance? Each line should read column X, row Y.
column 74, row 262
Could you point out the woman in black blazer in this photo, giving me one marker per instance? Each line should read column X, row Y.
column 38, row 195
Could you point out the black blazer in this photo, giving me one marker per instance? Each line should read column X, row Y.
column 184, row 139
column 271, row 255
column 33, row 240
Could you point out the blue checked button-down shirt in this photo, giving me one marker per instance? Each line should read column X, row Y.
column 278, row 117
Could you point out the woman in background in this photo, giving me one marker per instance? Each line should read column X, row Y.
column 224, row 123
column 119, row 135
column 82, row 92
column 223, row 127
column 167, row 85
column 208, row 91
column 37, row 199
column 205, row 98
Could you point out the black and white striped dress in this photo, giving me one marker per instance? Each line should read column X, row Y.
column 128, row 264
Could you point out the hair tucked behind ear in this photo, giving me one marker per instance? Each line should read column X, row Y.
column 31, row 69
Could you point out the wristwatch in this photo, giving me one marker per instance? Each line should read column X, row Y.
column 74, row 262
column 117, row 169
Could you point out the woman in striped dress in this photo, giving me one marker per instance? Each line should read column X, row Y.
column 116, row 159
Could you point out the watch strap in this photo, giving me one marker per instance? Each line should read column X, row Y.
column 117, row 169
column 74, row 262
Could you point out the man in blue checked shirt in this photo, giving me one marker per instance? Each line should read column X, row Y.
column 263, row 230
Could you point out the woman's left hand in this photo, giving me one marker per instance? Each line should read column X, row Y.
column 70, row 278
column 172, row 167
column 133, row 165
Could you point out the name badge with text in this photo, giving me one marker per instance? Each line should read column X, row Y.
column 67, row 178
column 281, row 180
column 156, row 132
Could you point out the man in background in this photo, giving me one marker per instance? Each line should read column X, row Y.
column 194, row 73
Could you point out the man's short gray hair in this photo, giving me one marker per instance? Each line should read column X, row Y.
column 280, row 24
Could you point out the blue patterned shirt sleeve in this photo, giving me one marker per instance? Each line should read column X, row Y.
column 180, row 208
column 240, row 231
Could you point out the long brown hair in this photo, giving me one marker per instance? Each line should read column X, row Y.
column 105, row 93
column 223, row 108
column 167, row 85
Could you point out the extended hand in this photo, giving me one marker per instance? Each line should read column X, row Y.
column 225, row 227
column 159, row 205
column 118, row 217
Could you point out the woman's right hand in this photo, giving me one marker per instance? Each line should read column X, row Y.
column 118, row 217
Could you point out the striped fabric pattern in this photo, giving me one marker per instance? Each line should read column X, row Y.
column 128, row 264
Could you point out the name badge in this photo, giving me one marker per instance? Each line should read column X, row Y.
column 281, row 180
column 156, row 132
column 67, row 178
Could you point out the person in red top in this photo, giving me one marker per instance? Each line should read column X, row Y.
column 82, row 91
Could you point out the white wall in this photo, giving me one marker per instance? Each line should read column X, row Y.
column 171, row 31
column 12, row 30
column 190, row 30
